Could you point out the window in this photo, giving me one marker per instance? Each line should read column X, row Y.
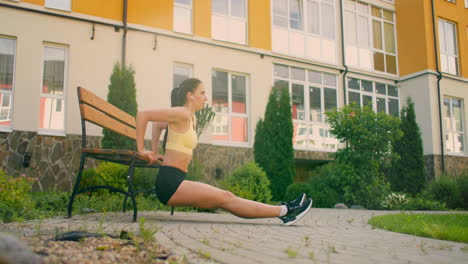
column 451, row 1
column 53, row 90
column 183, row 16
column 312, row 94
column 466, row 3
column 304, row 28
column 381, row 97
column 229, row 20
column 59, row 4
column 181, row 72
column 7, row 71
column 454, row 126
column 370, row 37
column 448, row 47
column 230, row 103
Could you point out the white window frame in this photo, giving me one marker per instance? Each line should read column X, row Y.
column 8, row 128
column 452, row 130
column 305, row 34
column 64, row 5
column 229, row 17
column 451, row 1
column 230, row 114
column 187, row 7
column 466, row 3
column 374, row 94
column 47, row 131
column 370, row 41
column 181, row 65
column 443, row 53
column 307, row 122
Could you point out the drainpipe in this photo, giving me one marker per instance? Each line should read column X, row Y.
column 343, row 56
column 124, row 37
column 439, row 77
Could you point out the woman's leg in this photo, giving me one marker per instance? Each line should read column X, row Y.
column 205, row 196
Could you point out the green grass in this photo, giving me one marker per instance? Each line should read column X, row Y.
column 453, row 227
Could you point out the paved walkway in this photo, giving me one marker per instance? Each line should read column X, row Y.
column 323, row 236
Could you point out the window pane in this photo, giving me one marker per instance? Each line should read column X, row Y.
column 366, row 86
column 363, row 32
column 239, row 103
column 182, row 20
column 389, row 38
column 380, row 88
column 353, row 84
column 390, row 62
column 354, row 98
column 381, row 105
column 300, row 134
column 5, row 109
column 448, row 115
column 330, row 99
column 393, row 107
column 388, row 15
column 350, row 28
column 298, row 74
column 184, row 2
column 298, row 111
column 7, row 59
column 441, row 27
column 315, row 77
column 51, row 116
column 449, row 142
column 329, row 79
column 280, row 13
column 451, row 38
column 239, row 129
column 392, row 91
column 281, row 83
column 376, row 12
column 315, row 104
column 379, row 64
column 457, row 115
column 220, row 127
column 328, row 21
column 54, row 68
column 180, row 74
column 295, row 14
column 458, row 145
column 367, row 100
column 220, row 91
column 377, row 34
column 238, row 8
column 220, row 7
column 362, row 8
column 313, row 17
column 281, row 71
column 350, row 4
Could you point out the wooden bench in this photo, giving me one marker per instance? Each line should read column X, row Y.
column 96, row 110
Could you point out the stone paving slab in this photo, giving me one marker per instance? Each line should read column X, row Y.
column 322, row 236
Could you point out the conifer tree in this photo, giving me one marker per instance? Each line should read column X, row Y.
column 122, row 94
column 407, row 172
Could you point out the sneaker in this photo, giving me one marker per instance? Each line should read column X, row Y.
column 296, row 202
column 296, row 213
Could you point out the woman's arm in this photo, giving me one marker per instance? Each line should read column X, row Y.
column 158, row 127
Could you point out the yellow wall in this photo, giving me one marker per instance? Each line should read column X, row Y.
column 151, row 13
column 202, row 18
column 259, row 24
column 111, row 9
column 36, row 2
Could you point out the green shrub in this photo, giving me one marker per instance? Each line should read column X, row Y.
column 394, row 201
column 295, row 189
column 462, row 184
column 195, row 171
column 15, row 199
column 420, row 203
column 445, row 190
column 249, row 182
column 323, row 186
column 324, row 197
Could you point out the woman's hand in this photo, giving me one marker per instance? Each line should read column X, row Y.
column 152, row 156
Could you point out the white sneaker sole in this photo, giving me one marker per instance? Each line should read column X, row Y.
column 299, row 216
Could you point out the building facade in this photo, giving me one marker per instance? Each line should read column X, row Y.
column 328, row 52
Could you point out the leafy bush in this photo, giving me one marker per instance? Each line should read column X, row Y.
column 462, row 184
column 195, row 171
column 324, row 197
column 420, row 203
column 15, row 200
column 395, row 201
column 445, row 190
column 295, row 189
column 249, row 182
column 323, row 186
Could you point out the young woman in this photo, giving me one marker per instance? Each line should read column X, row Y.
column 171, row 186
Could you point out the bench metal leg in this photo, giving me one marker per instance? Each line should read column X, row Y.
column 172, row 210
column 131, row 171
column 75, row 187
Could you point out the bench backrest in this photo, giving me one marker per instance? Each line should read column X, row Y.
column 102, row 113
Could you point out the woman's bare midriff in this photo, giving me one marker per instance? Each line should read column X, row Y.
column 177, row 159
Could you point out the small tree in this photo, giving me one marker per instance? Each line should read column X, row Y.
column 407, row 171
column 204, row 118
column 368, row 136
column 122, row 94
column 273, row 147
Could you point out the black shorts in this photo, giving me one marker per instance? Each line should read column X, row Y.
column 169, row 179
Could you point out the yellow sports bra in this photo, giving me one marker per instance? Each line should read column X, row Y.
column 183, row 142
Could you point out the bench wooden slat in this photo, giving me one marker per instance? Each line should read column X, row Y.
column 98, row 118
column 121, row 156
column 99, row 103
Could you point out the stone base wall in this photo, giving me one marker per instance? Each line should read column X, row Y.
column 54, row 160
column 454, row 165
